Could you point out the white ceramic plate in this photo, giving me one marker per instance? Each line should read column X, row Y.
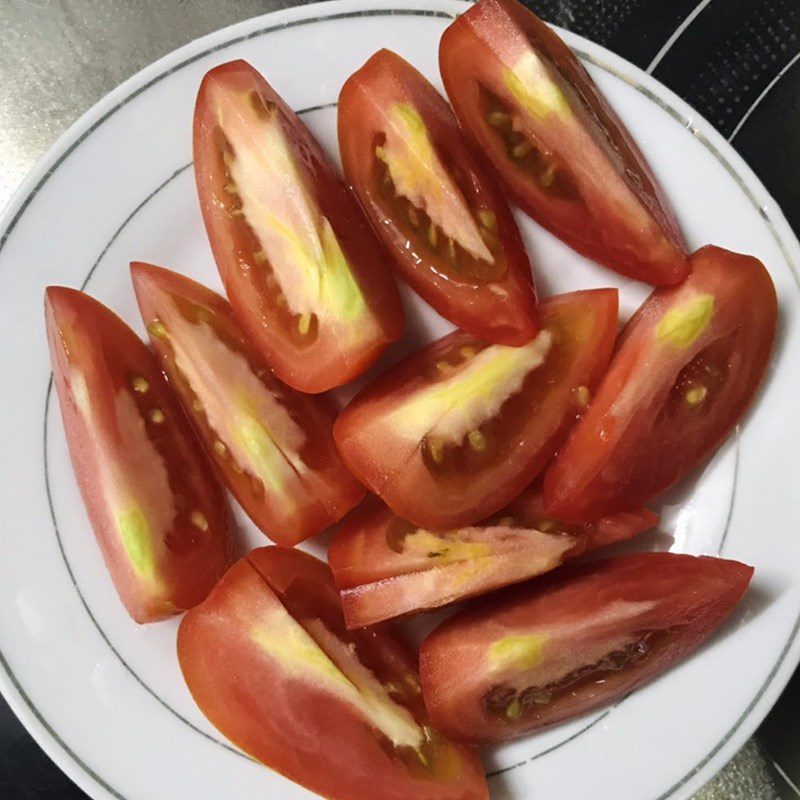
column 103, row 696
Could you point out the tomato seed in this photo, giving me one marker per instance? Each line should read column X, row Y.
column 156, row 328
column 220, row 449
column 413, row 217
column 139, row 384
column 488, row 219
column 514, row 710
column 436, row 449
column 696, row 395
column 477, row 441
column 156, row 416
column 582, row 396
column 520, row 150
column 198, row 519
column 498, row 119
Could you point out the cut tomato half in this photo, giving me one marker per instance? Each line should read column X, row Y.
column 272, row 446
column 268, row 660
column 301, row 267
column 455, row 431
column 438, row 211
column 386, row 567
column 160, row 517
column 573, row 641
column 687, row 367
column 557, row 146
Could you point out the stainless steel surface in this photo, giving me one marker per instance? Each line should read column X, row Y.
column 58, row 58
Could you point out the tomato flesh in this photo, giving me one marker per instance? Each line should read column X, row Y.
column 455, row 431
column 272, row 446
column 439, row 212
column 558, row 148
column 386, row 567
column 159, row 515
column 575, row 640
column 268, row 660
column 301, row 268
column 688, row 366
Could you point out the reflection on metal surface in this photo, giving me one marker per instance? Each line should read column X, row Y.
column 59, row 59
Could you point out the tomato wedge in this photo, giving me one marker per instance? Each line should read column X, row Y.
column 386, row 567
column 303, row 271
column 455, row 431
column 558, row 148
column 438, row 211
column 573, row 641
column 268, row 660
column 688, row 365
column 160, row 517
column 272, row 446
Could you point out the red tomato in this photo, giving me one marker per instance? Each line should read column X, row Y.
column 559, row 149
column 688, row 365
column 455, row 431
column 302, row 269
column 160, row 517
column 572, row 641
column 386, row 567
column 272, row 446
column 268, row 660
column 438, row 211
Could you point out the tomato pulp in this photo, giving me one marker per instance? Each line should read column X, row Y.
column 301, row 267
column 457, row 430
column 160, row 517
column 556, row 145
column 271, row 445
column 574, row 640
column 686, row 369
column 437, row 209
column 386, row 567
column 268, row 660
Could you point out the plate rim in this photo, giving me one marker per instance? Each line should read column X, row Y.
column 15, row 694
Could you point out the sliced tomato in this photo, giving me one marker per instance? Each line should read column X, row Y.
column 455, row 431
column 304, row 272
column 557, row 146
column 160, row 517
column 438, row 211
column 386, row 567
column 268, row 660
column 528, row 510
column 688, row 365
column 575, row 640
column 272, row 446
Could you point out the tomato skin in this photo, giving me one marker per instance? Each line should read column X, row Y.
column 664, row 405
column 159, row 515
column 503, row 310
column 585, row 179
column 385, row 567
column 214, row 369
column 273, row 707
column 660, row 606
column 381, row 444
column 340, row 350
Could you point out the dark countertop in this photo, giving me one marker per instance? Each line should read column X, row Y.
column 736, row 61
